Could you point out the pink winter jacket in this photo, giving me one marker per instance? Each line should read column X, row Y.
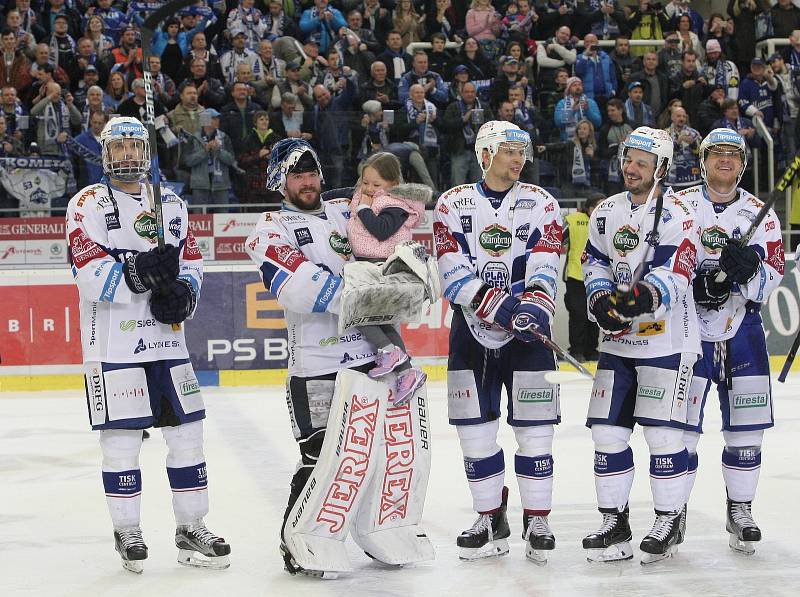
column 483, row 24
column 409, row 197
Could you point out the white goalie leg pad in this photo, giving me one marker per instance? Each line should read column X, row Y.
column 387, row 525
column 320, row 519
column 371, row 298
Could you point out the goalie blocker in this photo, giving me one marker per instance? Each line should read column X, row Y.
column 371, row 478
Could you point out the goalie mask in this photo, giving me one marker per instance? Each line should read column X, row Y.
column 723, row 141
column 290, row 155
column 125, row 146
column 495, row 133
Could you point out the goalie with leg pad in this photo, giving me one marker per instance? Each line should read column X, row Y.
column 301, row 252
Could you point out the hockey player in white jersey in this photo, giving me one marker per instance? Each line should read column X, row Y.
column 301, row 251
column 133, row 298
column 735, row 277
column 497, row 244
column 638, row 266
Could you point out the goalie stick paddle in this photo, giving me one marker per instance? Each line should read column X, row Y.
column 148, row 30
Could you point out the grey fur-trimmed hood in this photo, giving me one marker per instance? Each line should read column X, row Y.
column 411, row 191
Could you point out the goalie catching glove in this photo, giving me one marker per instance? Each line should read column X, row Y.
column 534, row 308
column 173, row 304
column 153, row 269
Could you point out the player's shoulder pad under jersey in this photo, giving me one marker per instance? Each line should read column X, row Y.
column 89, row 196
column 691, row 196
column 750, row 198
column 461, row 197
column 530, row 196
column 678, row 204
column 607, row 205
column 169, row 196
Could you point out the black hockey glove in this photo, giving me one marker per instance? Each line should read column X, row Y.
column 739, row 263
column 600, row 307
column 642, row 298
column 708, row 293
column 173, row 304
column 153, row 269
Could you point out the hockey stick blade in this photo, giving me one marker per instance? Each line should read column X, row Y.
column 787, row 365
column 559, row 377
column 169, row 9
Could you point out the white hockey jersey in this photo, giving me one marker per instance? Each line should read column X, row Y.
column 717, row 224
column 513, row 247
column 301, row 257
column 103, row 228
column 618, row 233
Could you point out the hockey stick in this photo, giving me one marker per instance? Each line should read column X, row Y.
column 780, row 188
column 531, row 328
column 789, row 358
column 148, row 30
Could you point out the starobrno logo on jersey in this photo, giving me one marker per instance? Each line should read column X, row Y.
column 145, row 226
column 340, row 244
column 495, row 240
column 714, row 239
column 625, row 240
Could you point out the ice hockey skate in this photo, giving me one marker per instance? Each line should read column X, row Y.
column 488, row 537
column 744, row 531
column 130, row 545
column 662, row 540
column 682, row 524
column 612, row 541
column 200, row 548
column 538, row 537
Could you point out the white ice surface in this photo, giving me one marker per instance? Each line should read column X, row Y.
column 55, row 534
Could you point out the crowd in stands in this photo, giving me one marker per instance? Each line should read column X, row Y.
column 233, row 77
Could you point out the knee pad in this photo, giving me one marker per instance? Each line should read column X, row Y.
column 691, row 439
column 610, row 439
column 185, row 444
column 533, row 441
column 664, row 440
column 743, row 439
column 479, row 441
column 121, row 449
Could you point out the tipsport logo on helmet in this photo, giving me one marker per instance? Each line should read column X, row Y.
column 517, row 136
column 725, row 138
column 127, row 129
column 637, row 142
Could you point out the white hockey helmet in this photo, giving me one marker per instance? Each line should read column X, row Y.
column 129, row 163
column 655, row 141
column 495, row 133
column 716, row 142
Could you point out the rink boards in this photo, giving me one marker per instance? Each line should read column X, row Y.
column 238, row 335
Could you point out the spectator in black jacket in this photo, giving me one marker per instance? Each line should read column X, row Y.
column 380, row 88
column 396, row 59
column 655, row 84
column 210, row 90
column 690, row 84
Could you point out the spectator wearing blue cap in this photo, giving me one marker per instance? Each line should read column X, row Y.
column 637, row 112
column 209, row 155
